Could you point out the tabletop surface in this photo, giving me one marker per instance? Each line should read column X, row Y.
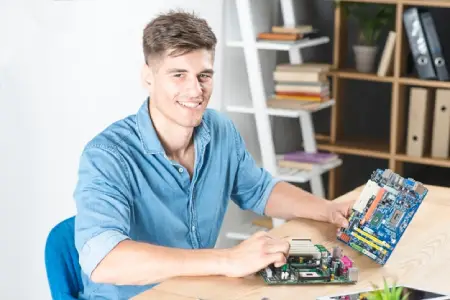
column 421, row 259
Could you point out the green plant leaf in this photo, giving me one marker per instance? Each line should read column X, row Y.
column 398, row 293
column 370, row 21
column 405, row 296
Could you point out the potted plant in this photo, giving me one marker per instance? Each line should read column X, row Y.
column 371, row 19
column 393, row 293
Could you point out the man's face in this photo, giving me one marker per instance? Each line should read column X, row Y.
column 180, row 87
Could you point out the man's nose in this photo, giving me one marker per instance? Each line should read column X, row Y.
column 195, row 87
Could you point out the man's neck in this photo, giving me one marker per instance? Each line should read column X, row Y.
column 175, row 139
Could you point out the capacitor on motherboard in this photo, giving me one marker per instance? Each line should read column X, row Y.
column 337, row 252
column 334, row 266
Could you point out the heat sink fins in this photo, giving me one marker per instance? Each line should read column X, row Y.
column 301, row 247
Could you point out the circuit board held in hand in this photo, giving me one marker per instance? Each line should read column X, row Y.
column 381, row 214
column 311, row 264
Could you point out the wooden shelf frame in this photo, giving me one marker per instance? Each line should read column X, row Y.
column 392, row 150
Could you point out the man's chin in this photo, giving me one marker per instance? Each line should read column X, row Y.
column 189, row 122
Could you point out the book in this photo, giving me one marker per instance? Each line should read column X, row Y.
column 292, row 29
column 294, row 105
column 281, row 87
column 295, row 165
column 300, row 76
column 302, row 94
column 386, row 61
column 302, row 88
column 304, row 67
column 307, row 157
column 279, row 36
column 302, row 98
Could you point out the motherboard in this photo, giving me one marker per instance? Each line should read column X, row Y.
column 382, row 213
column 308, row 263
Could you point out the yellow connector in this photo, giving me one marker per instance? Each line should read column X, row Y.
column 379, row 242
column 369, row 243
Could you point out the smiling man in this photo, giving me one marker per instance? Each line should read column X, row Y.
column 153, row 187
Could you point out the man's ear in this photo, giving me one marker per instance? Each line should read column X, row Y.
column 146, row 76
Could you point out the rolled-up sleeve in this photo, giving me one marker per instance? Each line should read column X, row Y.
column 102, row 198
column 253, row 184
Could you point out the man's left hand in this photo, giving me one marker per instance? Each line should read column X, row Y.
column 338, row 212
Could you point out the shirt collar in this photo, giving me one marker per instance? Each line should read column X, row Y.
column 149, row 138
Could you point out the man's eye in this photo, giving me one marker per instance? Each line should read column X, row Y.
column 205, row 76
column 178, row 75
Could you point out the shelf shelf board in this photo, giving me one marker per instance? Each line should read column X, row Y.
column 322, row 137
column 424, row 83
column 302, row 176
column 374, row 1
column 426, row 160
column 363, row 147
column 296, row 109
column 435, row 3
column 283, row 45
column 353, row 74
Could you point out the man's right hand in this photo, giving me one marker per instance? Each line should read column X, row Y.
column 256, row 253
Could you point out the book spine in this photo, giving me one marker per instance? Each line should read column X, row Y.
column 296, row 29
column 301, row 98
column 278, row 36
column 280, row 76
column 302, row 89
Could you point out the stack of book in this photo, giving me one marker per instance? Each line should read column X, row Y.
column 300, row 84
column 284, row 33
column 304, row 160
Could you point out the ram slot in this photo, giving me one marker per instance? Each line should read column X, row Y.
column 379, row 242
column 373, row 245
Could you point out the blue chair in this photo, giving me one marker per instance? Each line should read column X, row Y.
column 61, row 262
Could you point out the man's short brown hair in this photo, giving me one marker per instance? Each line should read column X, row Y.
column 178, row 32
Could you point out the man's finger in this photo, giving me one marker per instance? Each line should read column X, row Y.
column 278, row 259
column 341, row 221
column 278, row 246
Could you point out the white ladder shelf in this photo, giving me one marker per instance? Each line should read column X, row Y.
column 262, row 113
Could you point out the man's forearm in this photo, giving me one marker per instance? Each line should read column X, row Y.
column 135, row 263
column 288, row 201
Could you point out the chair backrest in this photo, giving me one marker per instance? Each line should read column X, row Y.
column 61, row 261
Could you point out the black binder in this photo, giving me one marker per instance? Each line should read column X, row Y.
column 418, row 44
column 434, row 45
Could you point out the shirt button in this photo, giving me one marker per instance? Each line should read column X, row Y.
column 180, row 170
column 193, row 227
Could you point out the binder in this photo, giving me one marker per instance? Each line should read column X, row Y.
column 441, row 125
column 418, row 44
column 419, row 118
column 434, row 46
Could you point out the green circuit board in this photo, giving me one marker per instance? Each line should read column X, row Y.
column 308, row 263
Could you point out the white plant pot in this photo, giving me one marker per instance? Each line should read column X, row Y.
column 365, row 58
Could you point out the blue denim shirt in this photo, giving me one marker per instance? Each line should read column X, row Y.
column 129, row 189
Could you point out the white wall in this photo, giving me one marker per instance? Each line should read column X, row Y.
column 67, row 70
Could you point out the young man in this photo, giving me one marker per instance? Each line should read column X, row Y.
column 154, row 187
